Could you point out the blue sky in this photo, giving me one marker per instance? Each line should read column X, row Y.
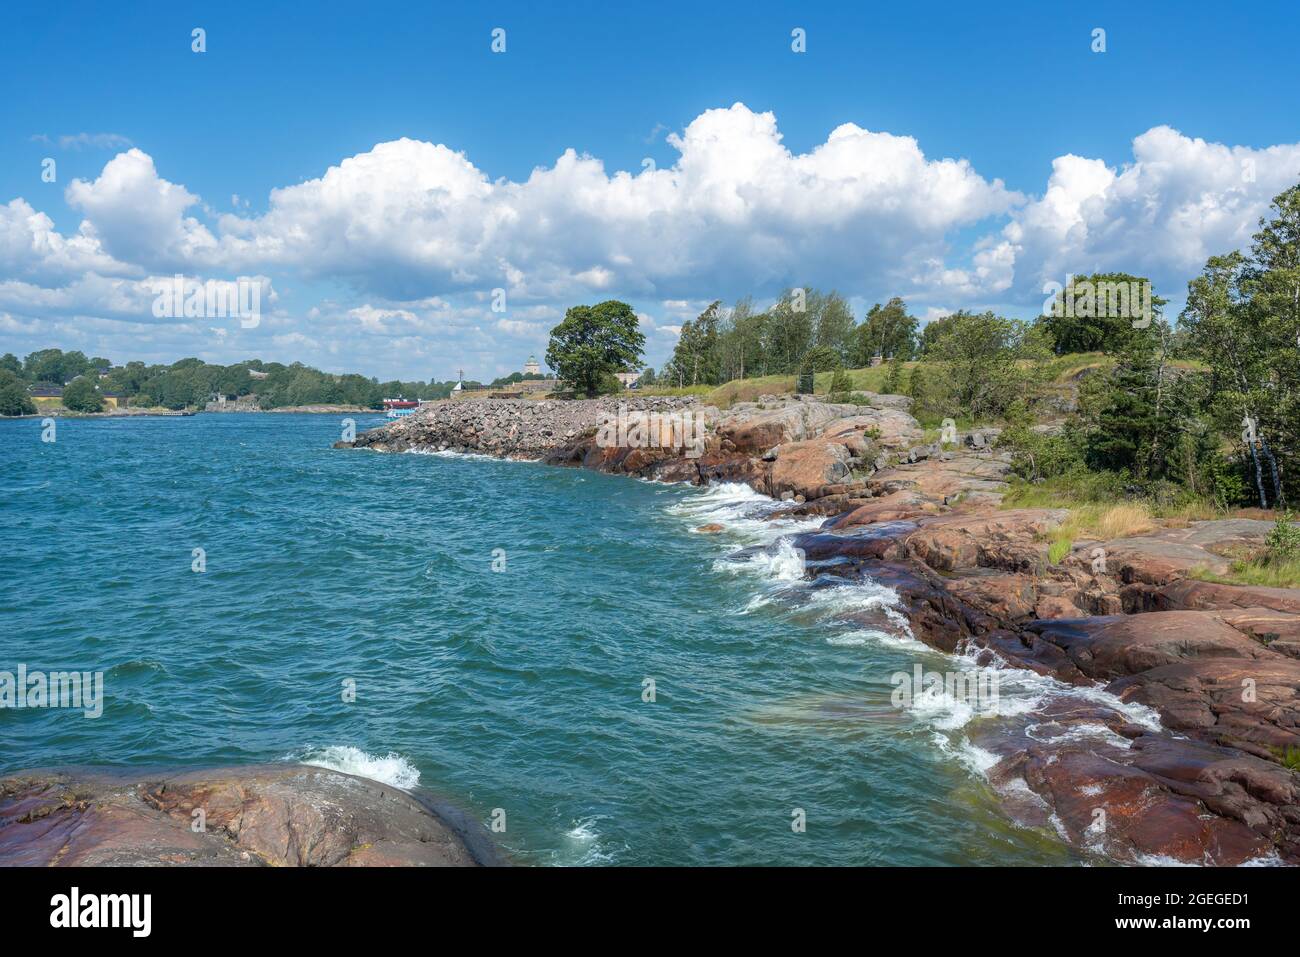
column 978, row 154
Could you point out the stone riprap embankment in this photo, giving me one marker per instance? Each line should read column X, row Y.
column 510, row 428
column 795, row 448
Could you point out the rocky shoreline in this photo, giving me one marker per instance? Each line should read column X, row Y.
column 1185, row 691
column 273, row 815
column 1170, row 698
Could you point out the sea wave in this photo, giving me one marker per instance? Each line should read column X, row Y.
column 450, row 454
column 743, row 513
column 862, row 613
column 583, row 846
column 390, row 769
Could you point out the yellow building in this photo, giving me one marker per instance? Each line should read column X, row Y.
column 46, row 395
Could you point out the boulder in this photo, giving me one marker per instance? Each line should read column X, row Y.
column 1011, row 540
column 1112, row 646
column 278, row 815
column 805, row 468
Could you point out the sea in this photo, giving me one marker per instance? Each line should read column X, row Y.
column 559, row 652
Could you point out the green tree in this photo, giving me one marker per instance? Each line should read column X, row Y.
column 886, row 331
column 594, row 342
column 14, row 399
column 935, row 329
column 894, row 377
column 1096, row 313
column 929, row 399
column 988, row 361
column 1243, row 321
column 696, row 359
column 832, row 320
column 741, row 342
column 788, row 333
column 82, row 395
column 55, row 365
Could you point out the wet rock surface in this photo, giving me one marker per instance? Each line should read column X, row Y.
column 1201, row 781
column 255, row 816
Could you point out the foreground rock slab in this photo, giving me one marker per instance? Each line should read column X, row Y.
column 260, row 815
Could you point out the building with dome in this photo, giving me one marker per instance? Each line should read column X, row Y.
column 531, row 367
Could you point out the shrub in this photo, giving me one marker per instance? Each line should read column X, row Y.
column 82, row 395
column 1283, row 541
column 1289, row 757
column 14, row 399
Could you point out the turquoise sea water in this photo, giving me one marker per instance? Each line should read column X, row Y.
column 520, row 689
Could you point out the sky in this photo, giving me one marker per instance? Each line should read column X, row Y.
column 406, row 202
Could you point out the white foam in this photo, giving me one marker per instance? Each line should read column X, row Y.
column 781, row 571
column 976, row 759
column 785, row 563
column 742, row 512
column 871, row 637
column 583, row 846
column 860, row 596
column 450, row 454
column 943, row 711
column 1271, row 859
column 391, row 769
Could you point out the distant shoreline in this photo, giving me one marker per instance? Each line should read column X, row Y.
column 183, row 413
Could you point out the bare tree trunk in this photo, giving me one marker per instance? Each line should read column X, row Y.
column 1259, row 476
column 1272, row 462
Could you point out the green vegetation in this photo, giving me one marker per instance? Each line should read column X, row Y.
column 517, row 377
column 1278, row 566
column 1288, row 757
column 1103, row 401
column 1201, row 417
column 82, row 395
column 886, row 331
column 13, row 394
column 191, row 383
column 593, row 343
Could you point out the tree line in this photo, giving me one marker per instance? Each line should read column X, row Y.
column 190, row 383
column 1207, row 406
column 804, row 330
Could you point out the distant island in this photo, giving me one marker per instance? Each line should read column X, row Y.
column 54, row 380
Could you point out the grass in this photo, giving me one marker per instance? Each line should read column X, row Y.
column 748, row 390
column 1259, row 572
column 672, row 390
column 1090, row 517
column 871, row 379
column 1276, row 566
column 1288, row 757
column 1098, row 522
column 1100, row 488
column 1095, row 513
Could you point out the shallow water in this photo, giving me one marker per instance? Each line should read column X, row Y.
column 520, row 689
